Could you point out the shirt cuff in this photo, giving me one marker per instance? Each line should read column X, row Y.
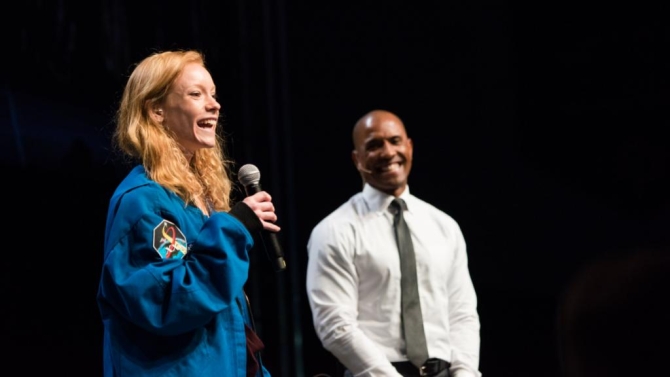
column 247, row 217
column 465, row 373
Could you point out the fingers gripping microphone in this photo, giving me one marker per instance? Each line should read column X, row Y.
column 249, row 176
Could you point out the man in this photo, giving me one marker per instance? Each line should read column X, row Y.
column 354, row 270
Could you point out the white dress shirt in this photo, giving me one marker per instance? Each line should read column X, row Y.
column 353, row 286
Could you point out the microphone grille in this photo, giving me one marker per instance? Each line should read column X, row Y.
column 248, row 174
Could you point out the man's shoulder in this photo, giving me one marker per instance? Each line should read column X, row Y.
column 430, row 209
column 344, row 215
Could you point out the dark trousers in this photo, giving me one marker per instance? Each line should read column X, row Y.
column 437, row 368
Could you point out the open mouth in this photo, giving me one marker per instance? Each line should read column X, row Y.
column 207, row 123
column 389, row 168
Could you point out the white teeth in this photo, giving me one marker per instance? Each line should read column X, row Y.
column 391, row 167
column 208, row 122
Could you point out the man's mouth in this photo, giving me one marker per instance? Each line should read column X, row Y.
column 389, row 168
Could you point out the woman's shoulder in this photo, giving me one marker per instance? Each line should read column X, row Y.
column 137, row 184
column 137, row 191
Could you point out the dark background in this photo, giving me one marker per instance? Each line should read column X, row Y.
column 539, row 127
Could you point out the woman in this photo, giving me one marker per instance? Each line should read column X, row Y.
column 176, row 249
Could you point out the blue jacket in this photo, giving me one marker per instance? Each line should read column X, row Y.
column 171, row 289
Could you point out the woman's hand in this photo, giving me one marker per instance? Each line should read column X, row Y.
column 261, row 204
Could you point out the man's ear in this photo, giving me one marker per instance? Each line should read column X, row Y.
column 354, row 158
column 359, row 166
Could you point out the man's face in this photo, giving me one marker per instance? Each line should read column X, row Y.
column 383, row 152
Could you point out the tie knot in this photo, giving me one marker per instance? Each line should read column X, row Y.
column 398, row 205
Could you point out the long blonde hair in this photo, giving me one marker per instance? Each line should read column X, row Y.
column 206, row 176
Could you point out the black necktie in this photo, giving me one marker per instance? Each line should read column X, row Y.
column 412, row 322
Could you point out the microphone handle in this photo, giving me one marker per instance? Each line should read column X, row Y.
column 269, row 239
column 271, row 244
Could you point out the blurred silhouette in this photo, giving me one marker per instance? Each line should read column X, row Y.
column 612, row 319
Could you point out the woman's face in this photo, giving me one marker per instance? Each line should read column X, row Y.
column 191, row 110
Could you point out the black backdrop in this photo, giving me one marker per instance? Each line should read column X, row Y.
column 539, row 128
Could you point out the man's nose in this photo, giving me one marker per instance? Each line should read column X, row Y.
column 388, row 149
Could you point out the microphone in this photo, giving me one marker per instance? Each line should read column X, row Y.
column 249, row 176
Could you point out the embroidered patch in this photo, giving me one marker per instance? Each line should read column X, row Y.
column 169, row 241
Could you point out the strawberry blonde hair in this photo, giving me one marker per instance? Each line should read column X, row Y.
column 141, row 137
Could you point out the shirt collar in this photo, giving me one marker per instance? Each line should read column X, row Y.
column 380, row 201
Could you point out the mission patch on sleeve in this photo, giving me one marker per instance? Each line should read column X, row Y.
column 169, row 241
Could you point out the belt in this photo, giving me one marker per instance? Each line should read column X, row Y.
column 429, row 368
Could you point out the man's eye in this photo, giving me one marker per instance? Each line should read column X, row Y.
column 372, row 145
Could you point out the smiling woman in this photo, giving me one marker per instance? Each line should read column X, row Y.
column 190, row 110
column 176, row 249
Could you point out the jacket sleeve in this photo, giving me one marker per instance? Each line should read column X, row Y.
column 170, row 296
column 246, row 216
